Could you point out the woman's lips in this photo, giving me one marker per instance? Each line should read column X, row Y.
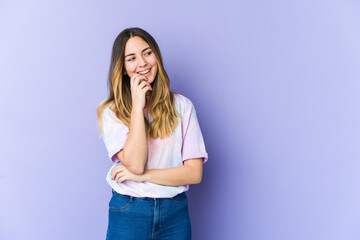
column 144, row 71
column 146, row 74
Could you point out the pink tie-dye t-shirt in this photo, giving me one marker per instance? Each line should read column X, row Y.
column 185, row 143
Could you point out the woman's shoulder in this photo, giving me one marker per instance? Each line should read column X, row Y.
column 106, row 110
column 108, row 113
column 181, row 99
column 183, row 104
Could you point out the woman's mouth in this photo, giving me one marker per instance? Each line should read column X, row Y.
column 145, row 73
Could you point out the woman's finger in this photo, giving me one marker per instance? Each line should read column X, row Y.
column 147, row 88
column 143, row 84
column 115, row 171
column 137, row 80
column 113, row 175
column 120, row 178
column 140, row 79
column 117, row 175
column 132, row 81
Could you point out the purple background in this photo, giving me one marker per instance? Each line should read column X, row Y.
column 277, row 92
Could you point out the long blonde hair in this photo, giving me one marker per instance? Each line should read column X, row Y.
column 161, row 101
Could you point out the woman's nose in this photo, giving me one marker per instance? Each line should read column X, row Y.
column 142, row 61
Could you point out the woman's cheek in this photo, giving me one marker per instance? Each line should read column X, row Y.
column 130, row 68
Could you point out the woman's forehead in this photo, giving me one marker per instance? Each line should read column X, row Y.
column 135, row 44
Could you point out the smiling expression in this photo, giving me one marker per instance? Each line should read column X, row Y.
column 140, row 59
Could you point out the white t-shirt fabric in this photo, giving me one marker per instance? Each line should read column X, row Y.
column 185, row 143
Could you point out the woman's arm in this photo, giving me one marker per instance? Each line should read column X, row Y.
column 134, row 154
column 189, row 173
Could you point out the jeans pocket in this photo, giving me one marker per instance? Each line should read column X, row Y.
column 120, row 202
column 180, row 199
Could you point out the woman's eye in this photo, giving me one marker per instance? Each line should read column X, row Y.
column 130, row 59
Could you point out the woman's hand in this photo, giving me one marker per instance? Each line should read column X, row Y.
column 120, row 173
column 139, row 86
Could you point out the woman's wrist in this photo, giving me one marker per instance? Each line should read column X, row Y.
column 137, row 111
column 145, row 177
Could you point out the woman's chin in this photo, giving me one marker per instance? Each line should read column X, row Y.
column 150, row 80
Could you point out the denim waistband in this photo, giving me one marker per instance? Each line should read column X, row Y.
column 143, row 198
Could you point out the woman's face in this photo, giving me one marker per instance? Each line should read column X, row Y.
column 139, row 58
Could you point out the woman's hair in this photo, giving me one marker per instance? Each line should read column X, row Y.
column 162, row 103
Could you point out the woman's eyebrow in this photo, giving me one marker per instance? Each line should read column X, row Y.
column 141, row 51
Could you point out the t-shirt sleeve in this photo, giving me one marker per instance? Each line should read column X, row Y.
column 115, row 133
column 193, row 142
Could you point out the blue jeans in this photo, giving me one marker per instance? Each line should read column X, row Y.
column 144, row 218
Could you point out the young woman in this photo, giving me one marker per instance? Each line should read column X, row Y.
column 153, row 137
